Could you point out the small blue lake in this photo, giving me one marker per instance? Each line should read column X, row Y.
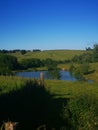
column 65, row 75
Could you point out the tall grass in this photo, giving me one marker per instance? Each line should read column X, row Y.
column 11, row 83
column 71, row 89
column 83, row 112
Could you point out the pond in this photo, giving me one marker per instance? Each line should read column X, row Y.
column 65, row 75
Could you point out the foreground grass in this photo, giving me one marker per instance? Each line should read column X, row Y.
column 70, row 89
column 10, row 83
column 82, row 108
column 56, row 87
column 59, row 104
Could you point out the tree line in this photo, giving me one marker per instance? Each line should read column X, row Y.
column 23, row 51
column 90, row 56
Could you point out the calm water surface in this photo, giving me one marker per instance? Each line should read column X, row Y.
column 65, row 75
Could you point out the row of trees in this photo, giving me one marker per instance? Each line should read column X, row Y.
column 90, row 56
column 23, row 51
column 35, row 62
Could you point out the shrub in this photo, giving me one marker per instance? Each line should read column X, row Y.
column 83, row 112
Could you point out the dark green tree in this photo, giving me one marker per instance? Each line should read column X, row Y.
column 80, row 71
column 31, row 63
column 95, row 53
column 50, row 64
column 54, row 74
column 8, row 63
column 23, row 52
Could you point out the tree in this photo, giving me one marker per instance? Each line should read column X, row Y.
column 50, row 64
column 23, row 52
column 95, row 53
column 88, row 48
column 80, row 71
column 54, row 74
column 7, row 64
column 31, row 63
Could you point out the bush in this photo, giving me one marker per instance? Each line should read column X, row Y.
column 83, row 112
column 80, row 71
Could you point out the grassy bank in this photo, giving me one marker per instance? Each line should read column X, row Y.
column 71, row 89
column 57, row 87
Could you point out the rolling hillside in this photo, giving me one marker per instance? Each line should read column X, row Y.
column 54, row 54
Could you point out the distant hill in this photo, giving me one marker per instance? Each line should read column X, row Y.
column 58, row 55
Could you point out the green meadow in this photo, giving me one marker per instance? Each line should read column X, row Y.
column 70, row 89
column 59, row 88
column 53, row 54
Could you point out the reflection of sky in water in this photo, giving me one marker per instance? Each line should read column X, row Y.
column 65, row 75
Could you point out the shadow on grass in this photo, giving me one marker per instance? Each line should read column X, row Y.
column 32, row 106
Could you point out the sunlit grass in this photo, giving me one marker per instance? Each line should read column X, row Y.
column 93, row 76
column 70, row 89
column 58, row 88
column 10, row 83
column 58, row 55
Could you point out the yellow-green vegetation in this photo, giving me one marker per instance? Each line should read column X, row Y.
column 53, row 54
column 10, row 83
column 93, row 66
column 82, row 104
column 93, row 76
column 58, row 87
column 64, row 66
column 71, row 89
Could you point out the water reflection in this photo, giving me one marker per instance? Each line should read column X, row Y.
column 65, row 75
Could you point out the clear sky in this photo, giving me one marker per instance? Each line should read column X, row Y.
column 48, row 24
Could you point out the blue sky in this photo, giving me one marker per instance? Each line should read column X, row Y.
column 48, row 24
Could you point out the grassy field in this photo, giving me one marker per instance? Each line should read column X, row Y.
column 70, row 89
column 58, row 55
column 57, row 87
column 94, row 76
column 10, row 83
